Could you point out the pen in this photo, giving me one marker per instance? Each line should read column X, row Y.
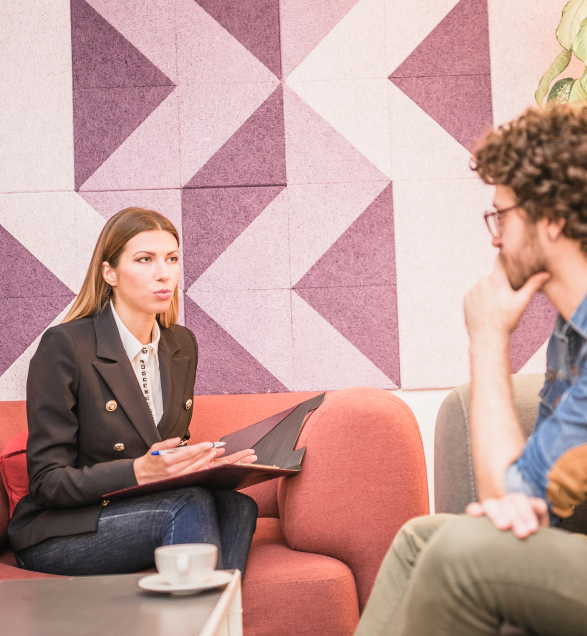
column 180, row 448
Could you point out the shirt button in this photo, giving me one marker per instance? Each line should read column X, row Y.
column 144, row 350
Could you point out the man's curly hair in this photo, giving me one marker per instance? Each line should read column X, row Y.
column 542, row 157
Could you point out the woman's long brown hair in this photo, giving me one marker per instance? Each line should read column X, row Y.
column 96, row 292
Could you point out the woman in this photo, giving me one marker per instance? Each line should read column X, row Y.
column 108, row 386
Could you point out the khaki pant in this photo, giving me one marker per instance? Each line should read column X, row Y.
column 458, row 576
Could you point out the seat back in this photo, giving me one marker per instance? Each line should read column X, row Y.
column 454, row 482
column 363, row 477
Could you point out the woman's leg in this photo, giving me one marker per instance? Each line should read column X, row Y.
column 237, row 520
column 128, row 533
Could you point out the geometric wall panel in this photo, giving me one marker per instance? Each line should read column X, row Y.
column 449, row 73
column 313, row 155
column 213, row 218
column 304, row 23
column 30, row 298
column 353, row 286
column 254, row 155
column 254, row 23
column 224, row 366
column 115, row 88
column 532, row 330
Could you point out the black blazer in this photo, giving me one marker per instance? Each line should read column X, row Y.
column 73, row 449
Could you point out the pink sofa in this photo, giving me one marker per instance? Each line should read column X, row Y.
column 322, row 534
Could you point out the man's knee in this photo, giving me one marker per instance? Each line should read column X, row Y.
column 456, row 549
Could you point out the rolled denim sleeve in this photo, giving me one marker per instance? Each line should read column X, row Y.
column 553, row 464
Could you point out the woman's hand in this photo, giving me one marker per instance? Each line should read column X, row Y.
column 190, row 459
column 242, row 457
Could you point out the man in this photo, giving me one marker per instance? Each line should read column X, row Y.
column 466, row 575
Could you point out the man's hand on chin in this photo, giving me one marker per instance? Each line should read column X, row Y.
column 515, row 511
column 493, row 307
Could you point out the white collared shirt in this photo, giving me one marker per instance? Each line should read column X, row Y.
column 144, row 360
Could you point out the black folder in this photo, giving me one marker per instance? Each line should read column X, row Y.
column 273, row 440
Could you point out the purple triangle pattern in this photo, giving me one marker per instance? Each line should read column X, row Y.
column 532, row 331
column 224, row 366
column 30, row 298
column 115, row 88
column 254, row 23
column 103, row 58
column 254, row 155
column 212, row 218
column 353, row 286
column 449, row 73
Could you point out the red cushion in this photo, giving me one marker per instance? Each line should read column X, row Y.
column 13, row 470
column 294, row 593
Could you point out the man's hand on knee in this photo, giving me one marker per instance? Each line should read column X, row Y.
column 515, row 511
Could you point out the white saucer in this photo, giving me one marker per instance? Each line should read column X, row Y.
column 156, row 583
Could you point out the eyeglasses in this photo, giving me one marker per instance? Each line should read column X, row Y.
column 492, row 219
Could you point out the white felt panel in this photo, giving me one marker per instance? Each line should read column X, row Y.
column 36, row 149
column 358, row 110
column 319, row 215
column 442, row 248
column 13, row 380
column 354, row 49
column 258, row 258
column 259, row 320
column 432, row 153
column 324, row 359
column 44, row 223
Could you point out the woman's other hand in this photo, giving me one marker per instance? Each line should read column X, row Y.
column 189, row 459
column 242, row 457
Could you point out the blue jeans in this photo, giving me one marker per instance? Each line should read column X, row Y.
column 129, row 530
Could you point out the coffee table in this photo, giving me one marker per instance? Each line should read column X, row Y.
column 111, row 605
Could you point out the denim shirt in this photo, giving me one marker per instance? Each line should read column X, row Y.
column 553, row 464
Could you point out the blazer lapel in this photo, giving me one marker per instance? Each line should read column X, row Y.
column 116, row 370
column 173, row 377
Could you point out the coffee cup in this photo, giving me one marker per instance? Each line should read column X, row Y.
column 186, row 562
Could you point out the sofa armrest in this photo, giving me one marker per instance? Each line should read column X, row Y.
column 363, row 477
column 454, row 482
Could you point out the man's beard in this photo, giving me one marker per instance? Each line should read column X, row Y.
column 528, row 261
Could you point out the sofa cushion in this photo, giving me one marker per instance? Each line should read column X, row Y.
column 291, row 593
column 14, row 471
